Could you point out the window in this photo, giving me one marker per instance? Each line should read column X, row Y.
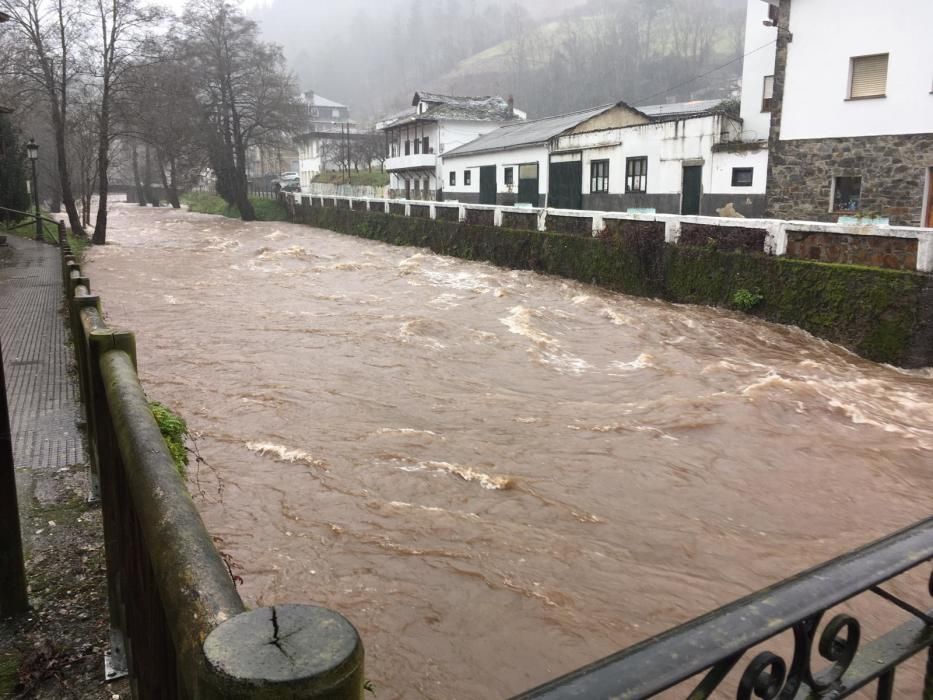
column 528, row 172
column 599, row 176
column 847, row 193
column 408, row 148
column 335, row 114
column 767, row 93
column 453, row 178
column 424, row 188
column 509, row 176
column 417, row 146
column 869, row 76
column 425, row 145
column 636, row 174
column 466, row 178
column 742, row 177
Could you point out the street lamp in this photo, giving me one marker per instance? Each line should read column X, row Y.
column 32, row 150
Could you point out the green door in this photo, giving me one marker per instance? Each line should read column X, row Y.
column 565, row 185
column 487, row 184
column 691, row 189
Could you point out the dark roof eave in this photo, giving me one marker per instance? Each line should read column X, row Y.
column 500, row 149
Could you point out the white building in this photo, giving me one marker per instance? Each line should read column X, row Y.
column 660, row 158
column 327, row 127
column 852, row 110
column 417, row 137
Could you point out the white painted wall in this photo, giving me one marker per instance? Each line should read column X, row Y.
column 758, row 63
column 501, row 159
column 721, row 171
column 667, row 145
column 827, row 34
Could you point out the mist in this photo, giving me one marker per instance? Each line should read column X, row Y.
column 552, row 55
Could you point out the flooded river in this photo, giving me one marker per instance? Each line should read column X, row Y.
column 499, row 476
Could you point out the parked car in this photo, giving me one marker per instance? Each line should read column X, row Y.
column 285, row 179
column 292, row 187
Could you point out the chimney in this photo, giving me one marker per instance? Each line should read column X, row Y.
column 511, row 102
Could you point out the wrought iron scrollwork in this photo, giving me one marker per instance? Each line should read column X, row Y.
column 767, row 676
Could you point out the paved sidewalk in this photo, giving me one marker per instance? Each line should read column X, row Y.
column 44, row 407
column 56, row 650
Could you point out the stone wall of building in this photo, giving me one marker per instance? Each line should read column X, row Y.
column 893, row 170
column 877, row 251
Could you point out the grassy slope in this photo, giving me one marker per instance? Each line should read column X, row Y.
column 204, row 203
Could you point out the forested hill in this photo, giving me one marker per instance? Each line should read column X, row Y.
column 552, row 55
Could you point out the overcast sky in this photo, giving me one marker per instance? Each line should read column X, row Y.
column 177, row 5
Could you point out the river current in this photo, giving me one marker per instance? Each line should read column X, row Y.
column 499, row 476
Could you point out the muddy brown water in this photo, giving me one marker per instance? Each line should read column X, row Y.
column 499, row 476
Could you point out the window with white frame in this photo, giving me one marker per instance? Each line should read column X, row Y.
column 767, row 93
column 868, row 76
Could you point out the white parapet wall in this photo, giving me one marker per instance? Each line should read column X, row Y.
column 775, row 230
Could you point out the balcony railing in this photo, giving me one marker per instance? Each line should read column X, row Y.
column 415, row 160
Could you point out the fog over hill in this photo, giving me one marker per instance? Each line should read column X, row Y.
column 552, row 55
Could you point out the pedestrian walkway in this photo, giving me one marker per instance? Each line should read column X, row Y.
column 44, row 406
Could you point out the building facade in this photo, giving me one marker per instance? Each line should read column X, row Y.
column 417, row 138
column 851, row 133
column 325, row 133
column 660, row 158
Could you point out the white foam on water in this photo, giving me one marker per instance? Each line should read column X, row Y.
column 643, row 361
column 284, row 454
column 276, row 236
column 487, row 481
column 169, row 299
column 615, row 317
column 224, row 245
column 405, row 431
column 520, row 321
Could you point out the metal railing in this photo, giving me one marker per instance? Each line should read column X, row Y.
column 178, row 625
column 715, row 644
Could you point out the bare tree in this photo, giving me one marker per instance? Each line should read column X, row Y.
column 49, row 27
column 122, row 25
column 243, row 88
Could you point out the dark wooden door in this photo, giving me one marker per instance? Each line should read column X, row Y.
column 487, row 184
column 692, row 188
column 528, row 191
column 565, row 185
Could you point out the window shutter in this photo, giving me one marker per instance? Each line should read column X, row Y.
column 869, row 76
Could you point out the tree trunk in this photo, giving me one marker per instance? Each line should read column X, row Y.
column 172, row 190
column 103, row 165
column 170, row 194
column 147, row 181
column 140, row 192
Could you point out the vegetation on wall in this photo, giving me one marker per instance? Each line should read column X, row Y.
column 205, row 203
column 874, row 312
column 174, row 431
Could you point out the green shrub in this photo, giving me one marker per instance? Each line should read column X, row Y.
column 745, row 300
column 174, row 431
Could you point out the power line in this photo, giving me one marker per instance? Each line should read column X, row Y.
column 703, row 75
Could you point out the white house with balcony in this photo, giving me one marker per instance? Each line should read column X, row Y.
column 417, row 138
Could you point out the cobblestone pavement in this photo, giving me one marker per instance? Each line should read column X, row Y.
column 44, row 407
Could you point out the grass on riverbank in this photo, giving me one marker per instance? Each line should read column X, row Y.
column 374, row 178
column 206, row 203
column 50, row 232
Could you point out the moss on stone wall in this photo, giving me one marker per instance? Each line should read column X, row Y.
column 875, row 312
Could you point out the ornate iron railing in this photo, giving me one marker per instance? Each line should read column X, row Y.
column 715, row 644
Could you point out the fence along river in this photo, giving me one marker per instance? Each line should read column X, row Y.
column 499, row 476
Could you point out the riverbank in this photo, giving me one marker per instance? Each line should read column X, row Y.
column 880, row 314
column 206, row 203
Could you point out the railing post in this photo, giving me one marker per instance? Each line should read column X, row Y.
column 284, row 651
column 80, row 343
column 109, row 464
column 13, row 598
column 62, row 235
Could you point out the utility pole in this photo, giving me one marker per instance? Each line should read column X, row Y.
column 348, row 153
